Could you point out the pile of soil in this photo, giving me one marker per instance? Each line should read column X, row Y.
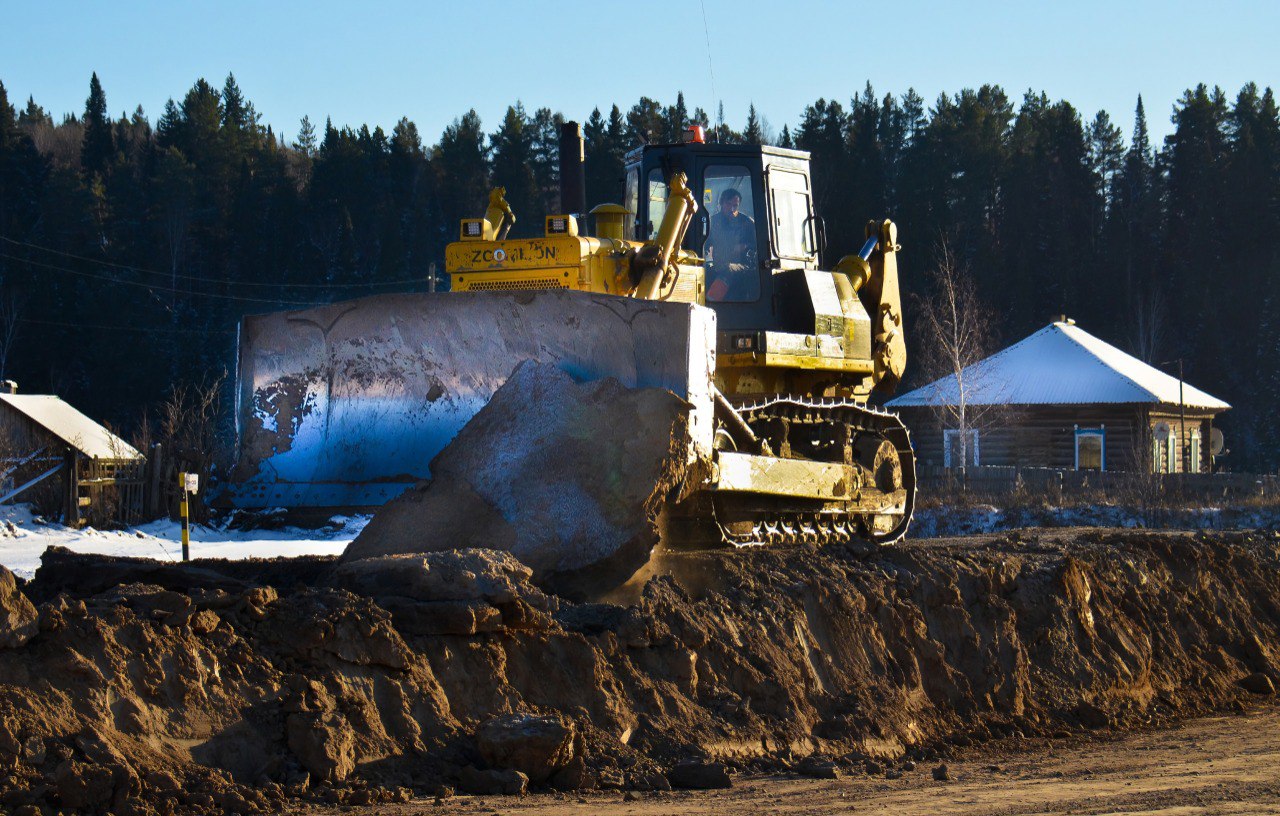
column 136, row 687
column 569, row 477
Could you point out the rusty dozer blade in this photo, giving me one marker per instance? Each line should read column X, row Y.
column 345, row 405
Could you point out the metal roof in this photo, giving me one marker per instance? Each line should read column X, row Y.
column 1062, row 364
column 71, row 426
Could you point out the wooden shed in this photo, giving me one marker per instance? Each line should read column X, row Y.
column 1062, row 398
column 72, row 464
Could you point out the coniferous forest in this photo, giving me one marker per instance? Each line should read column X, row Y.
column 129, row 248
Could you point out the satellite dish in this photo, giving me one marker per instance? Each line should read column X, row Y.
column 1216, row 441
column 1161, row 430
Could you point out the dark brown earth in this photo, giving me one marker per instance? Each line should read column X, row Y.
column 238, row 686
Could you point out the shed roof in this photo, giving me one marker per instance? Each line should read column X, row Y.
column 71, row 426
column 1062, row 364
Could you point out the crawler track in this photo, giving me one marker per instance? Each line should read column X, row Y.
column 796, row 427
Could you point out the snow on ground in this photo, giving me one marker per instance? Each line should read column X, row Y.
column 24, row 536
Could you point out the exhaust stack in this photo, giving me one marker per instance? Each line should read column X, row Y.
column 573, row 179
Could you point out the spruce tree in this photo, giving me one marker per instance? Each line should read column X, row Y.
column 753, row 134
column 97, row 149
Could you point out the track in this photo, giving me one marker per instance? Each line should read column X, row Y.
column 832, row 430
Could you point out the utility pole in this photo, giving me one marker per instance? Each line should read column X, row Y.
column 1183, row 447
column 1182, row 418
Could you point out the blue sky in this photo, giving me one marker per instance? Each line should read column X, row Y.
column 373, row 63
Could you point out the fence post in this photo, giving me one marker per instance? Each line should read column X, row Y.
column 71, row 508
column 155, row 465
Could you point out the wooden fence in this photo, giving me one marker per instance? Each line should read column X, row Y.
column 1053, row 482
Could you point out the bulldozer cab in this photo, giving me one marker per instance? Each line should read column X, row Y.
column 755, row 218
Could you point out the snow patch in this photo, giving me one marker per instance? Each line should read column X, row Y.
column 24, row 536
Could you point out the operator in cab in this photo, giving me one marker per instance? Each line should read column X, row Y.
column 730, row 247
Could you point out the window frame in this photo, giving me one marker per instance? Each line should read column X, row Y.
column 799, row 187
column 949, row 434
column 1100, row 432
column 712, row 168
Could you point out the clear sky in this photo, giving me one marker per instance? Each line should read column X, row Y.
column 375, row 62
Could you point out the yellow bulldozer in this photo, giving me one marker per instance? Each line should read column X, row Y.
column 705, row 280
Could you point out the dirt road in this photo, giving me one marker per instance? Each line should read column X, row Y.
column 1216, row 765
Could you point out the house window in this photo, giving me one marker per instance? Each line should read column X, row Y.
column 1091, row 448
column 1164, row 449
column 951, row 454
column 1194, row 465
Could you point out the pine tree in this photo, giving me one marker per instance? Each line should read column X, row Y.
column 752, row 134
column 1106, row 153
column 306, row 143
column 677, row 119
column 785, row 140
column 97, row 149
column 512, row 168
column 1132, row 238
column 645, row 122
column 240, row 126
column 723, row 133
column 34, row 115
column 1194, row 155
column 169, row 128
column 461, row 157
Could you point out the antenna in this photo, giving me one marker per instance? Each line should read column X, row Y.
column 706, row 32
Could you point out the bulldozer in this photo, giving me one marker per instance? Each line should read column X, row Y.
column 704, row 280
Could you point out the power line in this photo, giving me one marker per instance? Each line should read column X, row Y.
column 156, row 287
column 216, row 281
column 706, row 33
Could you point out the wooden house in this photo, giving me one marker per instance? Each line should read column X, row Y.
column 1064, row 399
column 66, row 463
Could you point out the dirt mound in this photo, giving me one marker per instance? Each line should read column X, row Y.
column 567, row 476
column 185, row 694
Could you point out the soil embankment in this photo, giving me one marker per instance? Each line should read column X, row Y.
column 230, row 687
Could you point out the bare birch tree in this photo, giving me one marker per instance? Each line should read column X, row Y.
column 956, row 330
column 1148, row 329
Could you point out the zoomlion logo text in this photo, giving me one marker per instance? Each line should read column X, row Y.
column 537, row 252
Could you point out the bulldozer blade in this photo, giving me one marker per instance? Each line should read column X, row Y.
column 345, row 405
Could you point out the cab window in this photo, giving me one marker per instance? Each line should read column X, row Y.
column 790, row 213
column 631, row 200
column 731, row 248
column 657, row 203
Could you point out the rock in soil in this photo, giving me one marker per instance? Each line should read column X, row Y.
column 537, row 746
column 493, row 782
column 1258, row 683
column 818, row 767
column 568, row 477
column 700, row 776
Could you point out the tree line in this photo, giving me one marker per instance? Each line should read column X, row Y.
column 130, row 249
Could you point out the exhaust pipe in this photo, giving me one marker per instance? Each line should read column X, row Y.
column 573, row 177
